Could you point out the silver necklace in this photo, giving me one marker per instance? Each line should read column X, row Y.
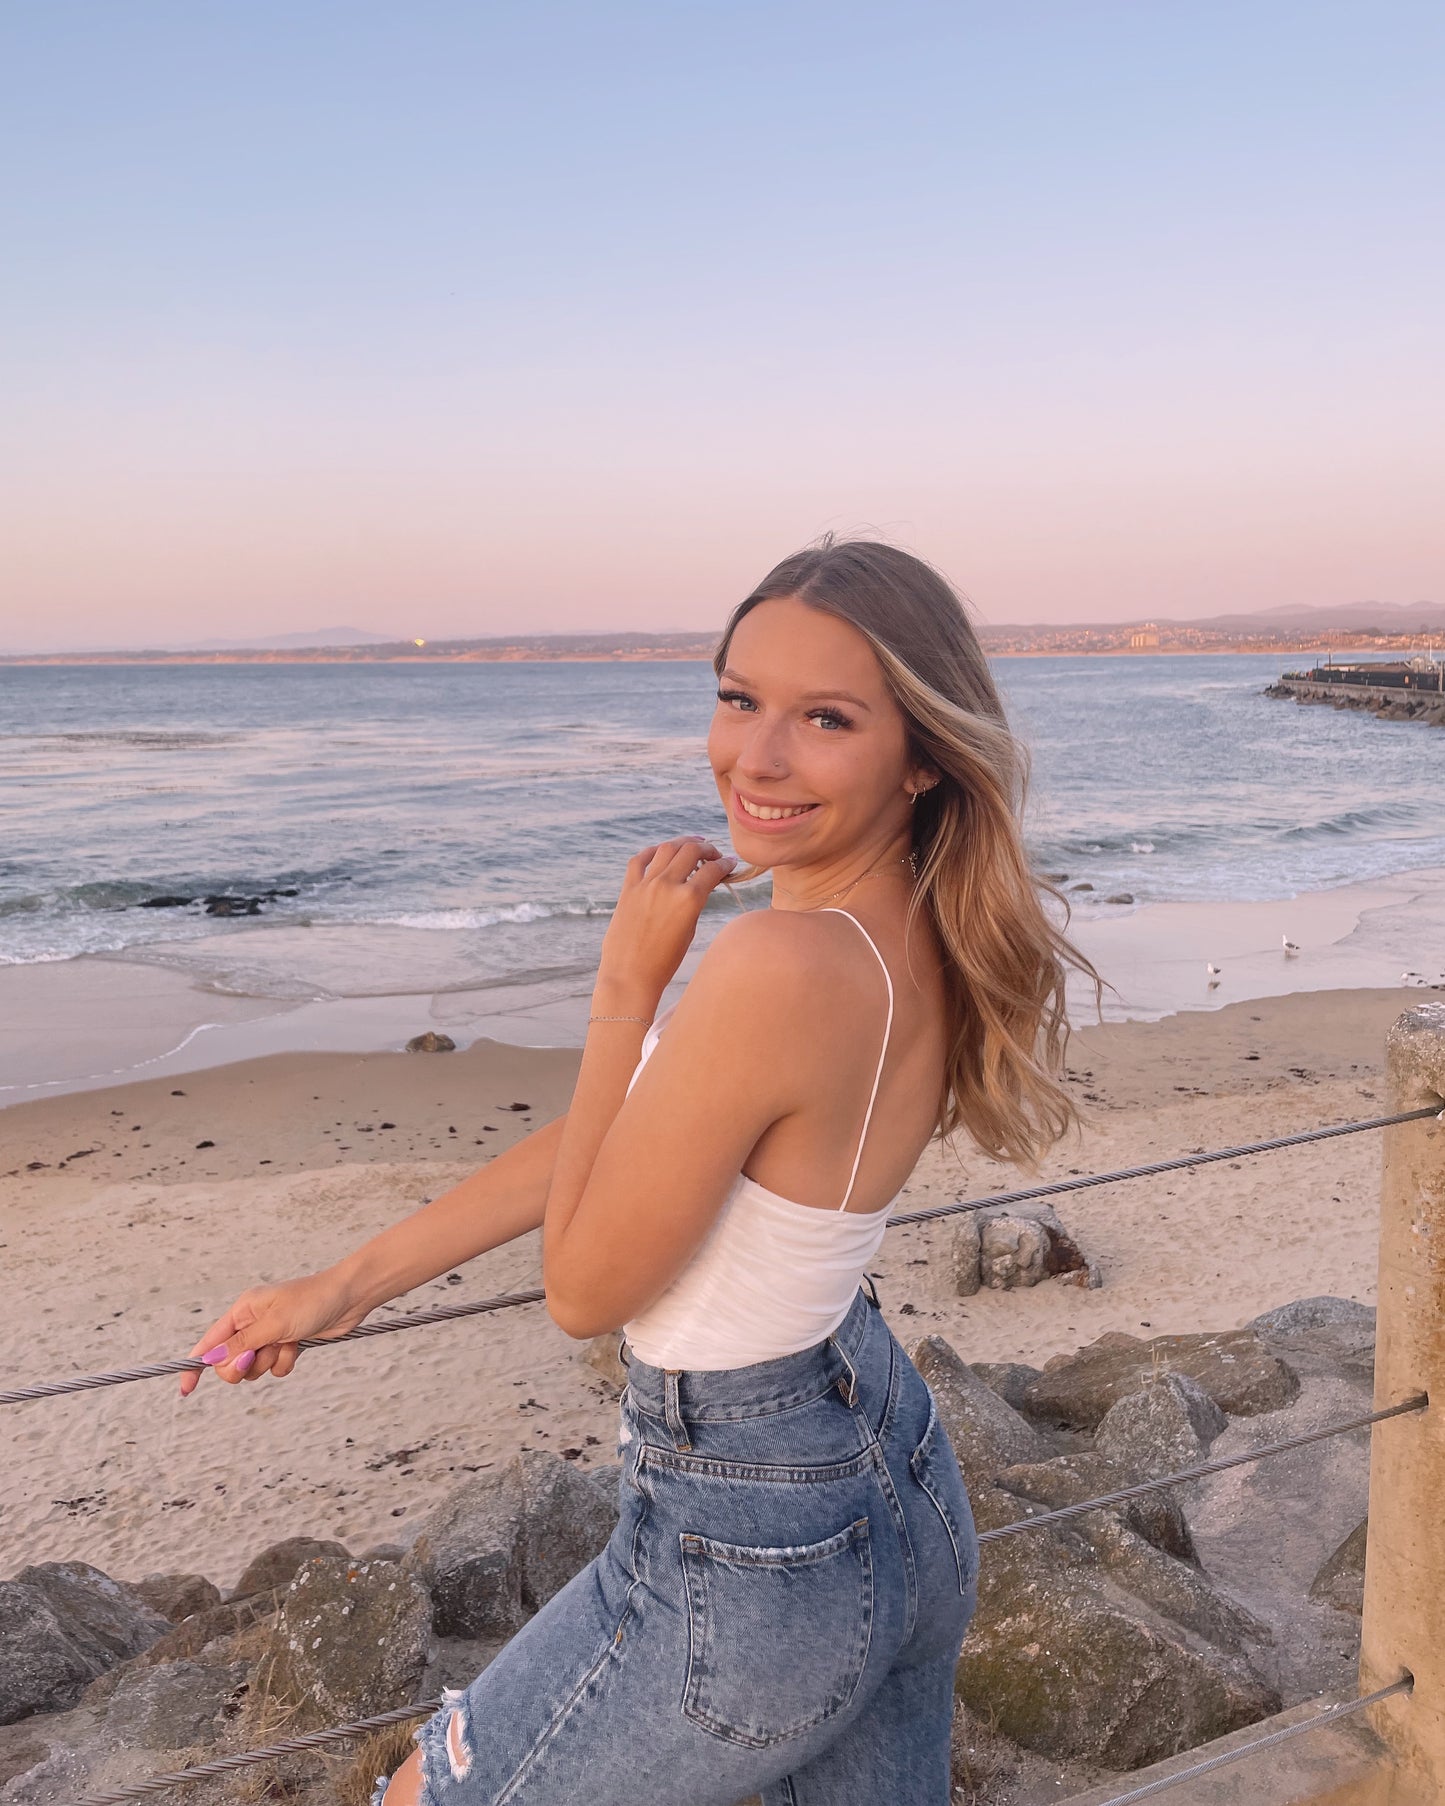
column 909, row 859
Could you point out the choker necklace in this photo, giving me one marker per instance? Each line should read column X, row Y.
column 909, row 859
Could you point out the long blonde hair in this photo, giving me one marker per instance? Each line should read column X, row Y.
column 1005, row 961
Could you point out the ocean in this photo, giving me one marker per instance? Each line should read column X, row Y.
column 408, row 828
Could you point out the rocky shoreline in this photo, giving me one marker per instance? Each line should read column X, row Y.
column 1100, row 1644
column 1385, row 705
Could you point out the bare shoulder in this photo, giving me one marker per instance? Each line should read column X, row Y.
column 780, row 958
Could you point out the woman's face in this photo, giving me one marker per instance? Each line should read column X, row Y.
column 808, row 747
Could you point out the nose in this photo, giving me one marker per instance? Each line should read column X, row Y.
column 763, row 752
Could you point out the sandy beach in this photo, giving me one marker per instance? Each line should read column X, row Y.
column 134, row 1213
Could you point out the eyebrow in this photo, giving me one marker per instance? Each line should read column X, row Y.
column 731, row 676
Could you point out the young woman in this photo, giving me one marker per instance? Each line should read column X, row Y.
column 780, row 1609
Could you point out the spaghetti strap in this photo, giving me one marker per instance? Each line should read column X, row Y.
column 887, row 1031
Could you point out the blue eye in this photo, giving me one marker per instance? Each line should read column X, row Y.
column 830, row 715
column 734, row 696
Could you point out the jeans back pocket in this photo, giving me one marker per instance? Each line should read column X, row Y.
column 935, row 1467
column 779, row 1635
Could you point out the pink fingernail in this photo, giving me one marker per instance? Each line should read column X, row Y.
column 244, row 1361
column 214, row 1356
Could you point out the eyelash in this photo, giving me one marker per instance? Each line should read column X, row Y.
column 827, row 714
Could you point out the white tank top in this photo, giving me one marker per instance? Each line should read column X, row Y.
column 772, row 1276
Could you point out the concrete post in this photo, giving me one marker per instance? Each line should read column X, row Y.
column 1404, row 1618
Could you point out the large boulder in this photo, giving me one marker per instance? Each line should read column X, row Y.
column 1176, row 1588
column 177, row 1596
column 352, row 1638
column 279, row 1563
column 174, row 1705
column 1009, row 1379
column 1063, row 1660
column 500, row 1545
column 987, row 1434
column 1234, row 1367
column 1166, row 1426
column 566, row 1520
column 61, row 1625
column 1322, row 1336
column 1070, row 1479
column 467, row 1556
column 1005, row 1246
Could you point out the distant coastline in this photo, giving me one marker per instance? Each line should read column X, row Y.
column 999, row 642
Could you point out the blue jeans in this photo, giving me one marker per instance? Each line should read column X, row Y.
column 778, row 1612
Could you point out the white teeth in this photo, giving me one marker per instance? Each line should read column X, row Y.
column 764, row 813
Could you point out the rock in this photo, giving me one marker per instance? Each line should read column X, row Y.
column 1062, row 1257
column 277, row 1565
column 1121, row 896
column 1167, row 1425
column 1341, row 1580
column 987, row 1434
column 964, row 1251
column 566, row 1520
column 177, row 1596
column 431, row 1042
column 1234, row 1368
column 384, row 1552
column 174, row 1705
column 59, row 1776
column 1009, row 1379
column 1322, row 1336
column 1012, row 1252
column 61, row 1625
column 1082, row 886
column 603, row 1355
column 500, row 1546
column 607, row 1479
column 1070, row 1479
column 467, row 1557
column 92, row 1605
column 1312, row 1313
column 194, row 1634
column 1063, row 1660
column 1173, row 1587
column 352, row 1638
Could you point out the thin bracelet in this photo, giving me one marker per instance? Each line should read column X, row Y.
column 646, row 1019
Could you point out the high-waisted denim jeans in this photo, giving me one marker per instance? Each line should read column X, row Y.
column 779, row 1611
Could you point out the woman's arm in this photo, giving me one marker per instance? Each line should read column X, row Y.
column 641, row 1176
column 501, row 1201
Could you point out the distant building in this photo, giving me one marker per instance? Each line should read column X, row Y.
column 1147, row 635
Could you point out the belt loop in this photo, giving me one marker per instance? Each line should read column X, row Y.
column 850, row 1391
column 872, row 1291
column 672, row 1411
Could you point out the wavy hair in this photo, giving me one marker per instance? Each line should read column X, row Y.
column 1006, row 961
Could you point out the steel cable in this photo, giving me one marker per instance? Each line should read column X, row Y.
column 1419, row 1403
column 225, row 1765
column 153, row 1370
column 1269, row 1741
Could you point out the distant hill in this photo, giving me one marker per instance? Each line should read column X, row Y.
column 280, row 642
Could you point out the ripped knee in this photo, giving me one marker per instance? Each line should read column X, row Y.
column 445, row 1737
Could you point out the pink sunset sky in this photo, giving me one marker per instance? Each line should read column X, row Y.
column 452, row 320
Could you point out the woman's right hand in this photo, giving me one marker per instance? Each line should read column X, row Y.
column 263, row 1330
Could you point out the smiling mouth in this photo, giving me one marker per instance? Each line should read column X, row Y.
column 772, row 812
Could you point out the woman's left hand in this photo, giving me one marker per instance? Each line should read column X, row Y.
column 663, row 894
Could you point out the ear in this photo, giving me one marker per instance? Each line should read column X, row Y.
column 921, row 778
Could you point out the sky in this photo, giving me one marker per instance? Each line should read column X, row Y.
column 460, row 318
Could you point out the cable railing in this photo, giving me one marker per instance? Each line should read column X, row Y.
column 447, row 1313
column 1418, row 1401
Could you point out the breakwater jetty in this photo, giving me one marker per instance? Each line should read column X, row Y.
column 1406, row 690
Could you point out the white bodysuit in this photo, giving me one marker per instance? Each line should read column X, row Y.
column 772, row 1276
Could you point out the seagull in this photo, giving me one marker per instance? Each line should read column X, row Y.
column 1213, row 972
column 1290, row 947
column 1411, row 978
